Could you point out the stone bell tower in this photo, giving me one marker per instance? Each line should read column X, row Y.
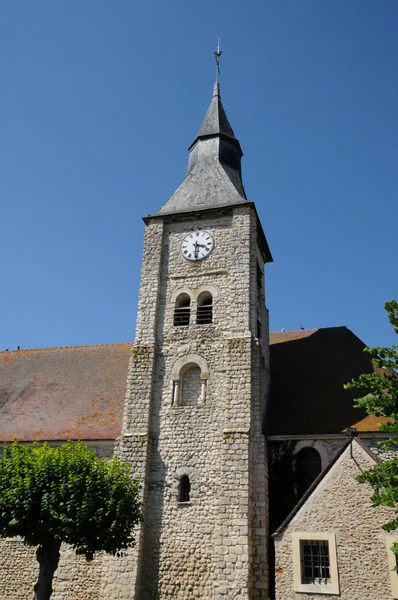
column 198, row 384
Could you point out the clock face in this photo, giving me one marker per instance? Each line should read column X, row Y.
column 197, row 245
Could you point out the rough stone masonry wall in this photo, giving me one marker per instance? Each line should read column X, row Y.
column 121, row 576
column 258, row 467
column 198, row 549
column 18, row 570
column 75, row 578
column 341, row 505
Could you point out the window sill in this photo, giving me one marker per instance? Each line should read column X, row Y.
column 317, row 588
column 189, row 503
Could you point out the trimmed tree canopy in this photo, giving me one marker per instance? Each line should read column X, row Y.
column 66, row 494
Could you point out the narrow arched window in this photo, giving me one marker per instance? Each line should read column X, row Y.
column 185, row 489
column 182, row 310
column 308, row 467
column 204, row 314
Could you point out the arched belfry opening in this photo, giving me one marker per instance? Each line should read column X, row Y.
column 204, row 311
column 182, row 310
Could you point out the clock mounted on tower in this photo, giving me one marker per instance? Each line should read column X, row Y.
column 197, row 245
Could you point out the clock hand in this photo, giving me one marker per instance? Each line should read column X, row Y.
column 196, row 250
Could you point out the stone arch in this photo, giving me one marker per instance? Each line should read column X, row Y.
column 179, row 474
column 317, row 446
column 192, row 362
column 307, row 466
column 185, row 361
column 207, row 288
column 182, row 290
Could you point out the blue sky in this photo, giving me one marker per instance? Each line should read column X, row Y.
column 100, row 101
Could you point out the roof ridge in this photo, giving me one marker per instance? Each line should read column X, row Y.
column 320, row 477
column 311, row 329
column 366, row 448
column 67, row 347
column 311, row 488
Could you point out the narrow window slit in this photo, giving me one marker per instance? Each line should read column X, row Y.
column 259, row 280
column 185, row 489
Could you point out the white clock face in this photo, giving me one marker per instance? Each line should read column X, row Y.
column 197, row 245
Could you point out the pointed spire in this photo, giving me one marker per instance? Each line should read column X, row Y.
column 215, row 121
column 214, row 167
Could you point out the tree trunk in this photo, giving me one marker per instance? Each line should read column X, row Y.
column 48, row 557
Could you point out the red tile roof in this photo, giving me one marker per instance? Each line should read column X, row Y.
column 71, row 392
column 63, row 393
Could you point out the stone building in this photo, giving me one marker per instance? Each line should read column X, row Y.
column 212, row 400
column 334, row 520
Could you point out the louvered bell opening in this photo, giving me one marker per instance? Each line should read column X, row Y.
column 182, row 311
column 204, row 314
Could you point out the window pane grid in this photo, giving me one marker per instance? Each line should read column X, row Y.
column 315, row 563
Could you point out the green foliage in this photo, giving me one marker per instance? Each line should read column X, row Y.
column 381, row 399
column 66, row 494
column 382, row 385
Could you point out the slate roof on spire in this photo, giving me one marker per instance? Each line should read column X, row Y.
column 216, row 121
column 214, row 177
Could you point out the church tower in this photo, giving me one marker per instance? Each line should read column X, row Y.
column 198, row 384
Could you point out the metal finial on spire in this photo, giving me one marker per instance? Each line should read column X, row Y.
column 217, row 54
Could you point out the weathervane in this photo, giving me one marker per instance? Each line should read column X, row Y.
column 217, row 55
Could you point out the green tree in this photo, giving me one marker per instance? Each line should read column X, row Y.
column 66, row 494
column 381, row 399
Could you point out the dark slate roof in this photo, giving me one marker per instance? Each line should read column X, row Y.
column 216, row 121
column 308, row 371
column 320, row 477
column 209, row 185
column 214, row 168
column 63, row 393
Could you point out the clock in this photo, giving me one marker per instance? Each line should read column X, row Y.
column 197, row 245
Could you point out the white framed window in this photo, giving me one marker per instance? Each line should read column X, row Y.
column 315, row 563
column 392, row 563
